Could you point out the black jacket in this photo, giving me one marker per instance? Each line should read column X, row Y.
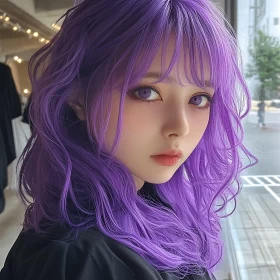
column 92, row 255
column 10, row 108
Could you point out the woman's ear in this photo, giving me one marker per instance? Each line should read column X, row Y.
column 78, row 109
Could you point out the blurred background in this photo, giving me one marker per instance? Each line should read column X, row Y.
column 252, row 234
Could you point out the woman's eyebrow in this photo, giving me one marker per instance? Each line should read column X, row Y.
column 157, row 75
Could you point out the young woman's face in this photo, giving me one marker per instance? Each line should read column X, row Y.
column 157, row 118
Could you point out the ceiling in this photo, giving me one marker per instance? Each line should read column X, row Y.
column 43, row 5
column 7, row 33
column 15, row 42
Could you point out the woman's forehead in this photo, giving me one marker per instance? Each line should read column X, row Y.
column 179, row 74
column 182, row 68
column 156, row 75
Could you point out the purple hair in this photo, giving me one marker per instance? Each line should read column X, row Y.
column 70, row 176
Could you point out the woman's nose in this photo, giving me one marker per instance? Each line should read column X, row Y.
column 176, row 123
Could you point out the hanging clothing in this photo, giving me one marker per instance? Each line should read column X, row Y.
column 10, row 108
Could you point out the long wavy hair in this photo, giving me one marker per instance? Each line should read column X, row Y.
column 73, row 180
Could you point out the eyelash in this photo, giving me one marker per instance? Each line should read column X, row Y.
column 209, row 98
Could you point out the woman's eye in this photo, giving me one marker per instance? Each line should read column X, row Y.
column 146, row 94
column 201, row 101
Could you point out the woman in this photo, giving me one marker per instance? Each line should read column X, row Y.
column 261, row 111
column 136, row 112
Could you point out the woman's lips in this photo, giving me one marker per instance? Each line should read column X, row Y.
column 166, row 160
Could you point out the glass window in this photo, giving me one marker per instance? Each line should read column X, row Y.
column 253, row 246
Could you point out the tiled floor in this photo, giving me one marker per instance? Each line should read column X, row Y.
column 255, row 228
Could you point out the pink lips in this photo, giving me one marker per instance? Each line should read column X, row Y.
column 168, row 157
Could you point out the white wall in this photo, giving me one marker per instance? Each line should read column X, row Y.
column 243, row 22
column 273, row 10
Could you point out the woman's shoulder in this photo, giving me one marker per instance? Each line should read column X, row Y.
column 53, row 256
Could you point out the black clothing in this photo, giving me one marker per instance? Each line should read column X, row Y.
column 92, row 256
column 261, row 112
column 10, row 108
column 3, row 164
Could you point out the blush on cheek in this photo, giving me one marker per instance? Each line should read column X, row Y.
column 140, row 117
